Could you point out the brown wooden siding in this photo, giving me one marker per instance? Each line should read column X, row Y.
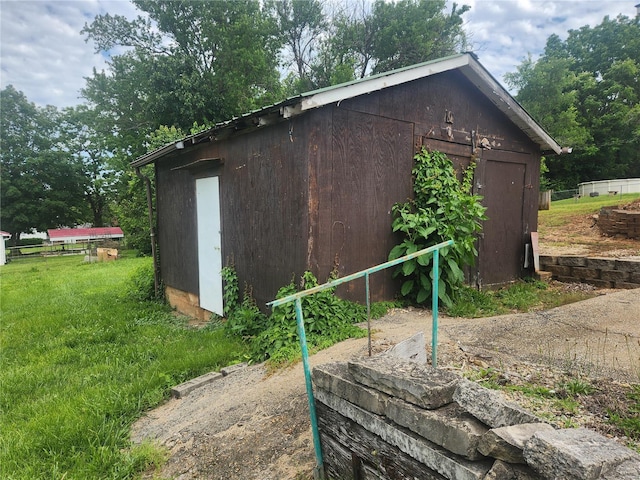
column 426, row 102
column 371, row 170
column 177, row 238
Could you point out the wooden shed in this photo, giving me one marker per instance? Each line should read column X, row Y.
column 308, row 183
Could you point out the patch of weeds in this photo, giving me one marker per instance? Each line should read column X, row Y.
column 246, row 320
column 147, row 457
column 521, row 296
column 160, row 316
column 489, row 377
column 380, row 309
column 568, row 405
column 628, row 419
column 141, row 283
column 577, row 387
column 216, row 322
column 327, row 320
column 473, row 303
column 532, row 390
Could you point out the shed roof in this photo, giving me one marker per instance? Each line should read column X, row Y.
column 4, row 234
column 466, row 63
column 97, row 232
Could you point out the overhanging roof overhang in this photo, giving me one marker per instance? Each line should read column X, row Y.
column 466, row 63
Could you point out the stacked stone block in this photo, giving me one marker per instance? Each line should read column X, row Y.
column 386, row 418
column 614, row 222
column 601, row 272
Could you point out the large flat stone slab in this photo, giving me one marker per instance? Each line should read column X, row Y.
column 489, row 406
column 507, row 443
column 579, row 454
column 413, row 348
column 335, row 378
column 421, row 385
column 449, row 426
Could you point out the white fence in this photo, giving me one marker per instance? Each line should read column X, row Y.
column 605, row 187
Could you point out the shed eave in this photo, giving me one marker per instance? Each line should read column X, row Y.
column 156, row 154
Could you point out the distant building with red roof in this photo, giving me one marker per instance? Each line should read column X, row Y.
column 75, row 235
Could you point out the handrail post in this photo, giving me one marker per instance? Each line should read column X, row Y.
column 366, row 284
column 434, row 310
column 319, row 472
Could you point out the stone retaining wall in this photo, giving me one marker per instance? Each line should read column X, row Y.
column 615, row 222
column 385, row 418
column 601, row 272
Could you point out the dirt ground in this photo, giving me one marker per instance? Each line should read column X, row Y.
column 582, row 237
column 255, row 425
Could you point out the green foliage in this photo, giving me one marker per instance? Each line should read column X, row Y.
column 42, row 185
column 472, row 303
column 628, row 420
column 327, row 320
column 131, row 209
column 585, row 92
column 230, row 291
column 414, row 31
column 141, row 284
column 442, row 209
column 178, row 56
column 521, row 296
column 577, row 386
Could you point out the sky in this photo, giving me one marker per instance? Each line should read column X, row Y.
column 43, row 54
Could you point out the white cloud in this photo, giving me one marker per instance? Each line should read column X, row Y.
column 43, row 54
column 504, row 32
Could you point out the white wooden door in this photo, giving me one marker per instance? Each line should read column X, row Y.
column 209, row 244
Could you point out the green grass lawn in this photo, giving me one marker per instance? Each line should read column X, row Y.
column 562, row 211
column 80, row 360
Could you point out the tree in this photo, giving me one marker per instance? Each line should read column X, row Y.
column 302, row 24
column 189, row 61
column 586, row 91
column 89, row 149
column 414, row 31
column 41, row 185
column 372, row 38
column 131, row 209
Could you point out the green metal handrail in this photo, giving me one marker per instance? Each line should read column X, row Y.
column 297, row 297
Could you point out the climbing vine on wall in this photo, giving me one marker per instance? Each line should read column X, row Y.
column 443, row 208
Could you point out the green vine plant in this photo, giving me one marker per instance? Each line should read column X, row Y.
column 443, row 208
column 327, row 318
